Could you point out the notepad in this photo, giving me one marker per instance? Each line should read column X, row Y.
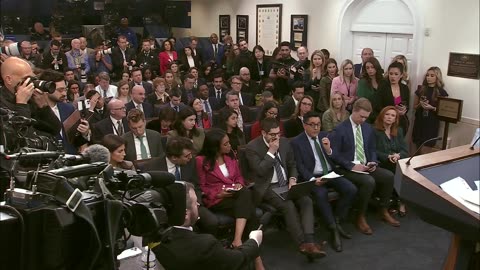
column 458, row 189
column 331, row 175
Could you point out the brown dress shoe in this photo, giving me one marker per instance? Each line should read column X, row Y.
column 363, row 226
column 388, row 218
column 312, row 250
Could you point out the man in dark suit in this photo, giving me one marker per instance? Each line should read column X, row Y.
column 217, row 91
column 122, row 57
column 208, row 102
column 189, row 92
column 312, row 154
column 97, row 111
column 245, row 115
column 62, row 110
column 137, row 79
column 214, row 52
column 248, row 85
column 138, row 102
column 272, row 164
column 178, row 160
column 148, row 58
column 357, row 68
column 141, row 143
column 175, row 101
column 354, row 149
column 116, row 123
column 291, row 102
column 181, row 248
column 245, row 99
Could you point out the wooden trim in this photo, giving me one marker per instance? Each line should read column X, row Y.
column 451, row 259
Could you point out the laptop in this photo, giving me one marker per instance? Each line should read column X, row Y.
column 297, row 191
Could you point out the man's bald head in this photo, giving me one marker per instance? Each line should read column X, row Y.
column 138, row 94
column 116, row 107
column 14, row 70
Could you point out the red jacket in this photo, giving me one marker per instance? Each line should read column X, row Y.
column 165, row 60
column 256, row 130
column 212, row 182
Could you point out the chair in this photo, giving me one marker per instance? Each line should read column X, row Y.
column 247, row 130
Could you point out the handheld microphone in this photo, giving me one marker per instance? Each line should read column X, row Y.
column 265, row 219
column 420, row 147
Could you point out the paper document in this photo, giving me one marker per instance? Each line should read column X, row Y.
column 472, row 196
column 477, row 183
column 331, row 175
column 458, row 188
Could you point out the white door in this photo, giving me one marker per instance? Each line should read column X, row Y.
column 385, row 46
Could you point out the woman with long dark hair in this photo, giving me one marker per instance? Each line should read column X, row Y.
column 260, row 66
column 202, row 120
column 325, row 85
column 166, row 56
column 229, row 123
column 185, row 126
column 116, row 145
column 371, row 79
column 269, row 110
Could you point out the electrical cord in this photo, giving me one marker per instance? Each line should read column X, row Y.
column 11, row 209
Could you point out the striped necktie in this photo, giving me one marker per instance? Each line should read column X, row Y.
column 359, row 150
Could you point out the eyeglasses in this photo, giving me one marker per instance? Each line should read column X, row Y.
column 313, row 125
column 307, row 103
column 122, row 108
column 274, row 134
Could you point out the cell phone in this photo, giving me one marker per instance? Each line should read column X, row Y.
column 231, row 190
column 371, row 165
column 423, row 98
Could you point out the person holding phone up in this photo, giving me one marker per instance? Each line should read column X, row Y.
column 395, row 93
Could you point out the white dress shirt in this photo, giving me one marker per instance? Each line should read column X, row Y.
column 137, row 146
column 112, row 91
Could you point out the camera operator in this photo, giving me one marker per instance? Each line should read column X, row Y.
column 281, row 75
column 181, row 248
column 78, row 61
column 100, row 62
column 18, row 94
column 123, row 58
column 63, row 110
column 147, row 57
column 55, row 59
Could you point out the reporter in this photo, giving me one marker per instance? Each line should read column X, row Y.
column 116, row 145
column 182, row 248
column 18, row 94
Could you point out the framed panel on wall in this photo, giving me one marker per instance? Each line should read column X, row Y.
column 223, row 26
column 269, row 27
column 298, row 31
column 242, row 27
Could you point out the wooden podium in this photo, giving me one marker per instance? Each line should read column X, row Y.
column 418, row 184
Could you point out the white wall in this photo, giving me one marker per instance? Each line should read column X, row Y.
column 454, row 27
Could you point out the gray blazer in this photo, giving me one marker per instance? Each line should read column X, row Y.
column 261, row 164
column 197, row 140
column 154, row 144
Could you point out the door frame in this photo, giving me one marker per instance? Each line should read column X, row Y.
column 345, row 38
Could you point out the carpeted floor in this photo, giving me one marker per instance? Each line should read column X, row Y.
column 416, row 245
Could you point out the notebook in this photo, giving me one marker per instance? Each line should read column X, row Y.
column 297, row 191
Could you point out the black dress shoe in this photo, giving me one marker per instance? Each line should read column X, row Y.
column 335, row 239
column 342, row 232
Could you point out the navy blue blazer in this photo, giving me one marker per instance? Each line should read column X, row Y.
column 304, row 156
column 343, row 144
column 147, row 108
column 208, row 54
column 66, row 109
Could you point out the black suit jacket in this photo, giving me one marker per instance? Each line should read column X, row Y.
column 117, row 60
column 248, row 99
column 154, row 144
column 147, row 108
column 149, row 59
column 146, row 85
column 48, row 59
column 219, row 103
column 288, row 107
column 261, row 164
column 293, row 127
column 184, row 66
column 104, row 127
column 182, row 249
column 95, row 116
column 252, row 88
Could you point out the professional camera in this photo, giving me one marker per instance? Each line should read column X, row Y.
column 105, row 52
column 43, row 86
column 13, row 49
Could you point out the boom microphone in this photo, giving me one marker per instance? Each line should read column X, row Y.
column 97, row 153
column 80, row 170
column 158, row 179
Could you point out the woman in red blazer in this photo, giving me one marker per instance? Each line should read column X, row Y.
column 166, row 56
column 222, row 184
column 203, row 119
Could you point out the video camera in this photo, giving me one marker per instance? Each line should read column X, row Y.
column 88, row 226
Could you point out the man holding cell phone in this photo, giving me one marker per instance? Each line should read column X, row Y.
column 354, row 149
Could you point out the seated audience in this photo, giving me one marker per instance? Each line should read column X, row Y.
column 141, row 143
column 184, row 126
column 336, row 114
column 166, row 117
column 73, row 91
column 294, row 125
column 123, row 92
column 138, row 102
column 391, row 145
column 346, row 83
column 369, row 84
column 269, row 110
column 160, row 95
column 313, row 163
column 229, row 123
column 291, row 102
column 116, row 145
column 202, row 120
column 354, row 149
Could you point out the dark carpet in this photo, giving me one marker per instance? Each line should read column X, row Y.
column 414, row 245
